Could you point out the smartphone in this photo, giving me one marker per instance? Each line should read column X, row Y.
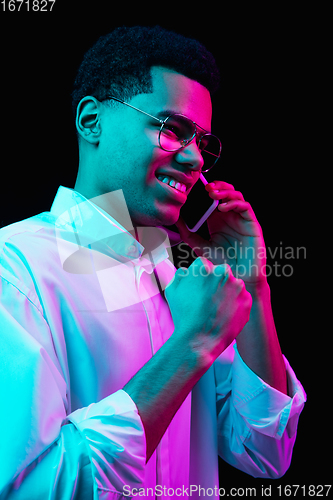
column 198, row 207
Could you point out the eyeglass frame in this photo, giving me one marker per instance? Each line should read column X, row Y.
column 162, row 122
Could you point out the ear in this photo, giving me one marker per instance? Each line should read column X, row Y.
column 88, row 119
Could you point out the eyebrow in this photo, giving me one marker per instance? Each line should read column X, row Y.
column 166, row 112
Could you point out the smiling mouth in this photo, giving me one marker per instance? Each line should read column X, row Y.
column 173, row 183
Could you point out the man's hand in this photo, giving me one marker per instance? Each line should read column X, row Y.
column 236, row 239
column 235, row 235
column 209, row 307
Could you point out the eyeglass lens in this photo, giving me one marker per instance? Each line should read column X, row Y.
column 177, row 131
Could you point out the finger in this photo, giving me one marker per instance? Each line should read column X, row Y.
column 226, row 194
column 216, row 185
column 179, row 274
column 242, row 207
column 201, row 266
column 223, row 271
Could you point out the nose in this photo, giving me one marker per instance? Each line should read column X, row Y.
column 190, row 155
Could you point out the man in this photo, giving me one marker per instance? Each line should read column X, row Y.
column 102, row 342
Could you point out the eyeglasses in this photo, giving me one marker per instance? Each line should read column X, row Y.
column 177, row 131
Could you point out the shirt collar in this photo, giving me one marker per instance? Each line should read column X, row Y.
column 84, row 224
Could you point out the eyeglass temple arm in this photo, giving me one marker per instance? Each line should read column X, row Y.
column 137, row 109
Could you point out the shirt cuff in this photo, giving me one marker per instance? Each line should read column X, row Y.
column 264, row 408
column 114, row 433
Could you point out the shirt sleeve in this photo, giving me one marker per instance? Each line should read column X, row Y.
column 46, row 451
column 257, row 424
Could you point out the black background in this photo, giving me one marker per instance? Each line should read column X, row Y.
column 261, row 116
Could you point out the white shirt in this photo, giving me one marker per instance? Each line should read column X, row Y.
column 81, row 312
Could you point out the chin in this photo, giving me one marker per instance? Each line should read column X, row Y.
column 169, row 218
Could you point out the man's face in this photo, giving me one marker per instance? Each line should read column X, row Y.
column 129, row 156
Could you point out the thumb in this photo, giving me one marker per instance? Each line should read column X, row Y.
column 192, row 239
column 179, row 274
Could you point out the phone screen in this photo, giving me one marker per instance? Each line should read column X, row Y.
column 199, row 205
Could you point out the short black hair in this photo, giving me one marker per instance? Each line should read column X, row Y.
column 119, row 63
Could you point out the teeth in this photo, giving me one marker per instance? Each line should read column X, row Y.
column 173, row 183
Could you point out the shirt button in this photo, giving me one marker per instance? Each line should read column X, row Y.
column 132, row 250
